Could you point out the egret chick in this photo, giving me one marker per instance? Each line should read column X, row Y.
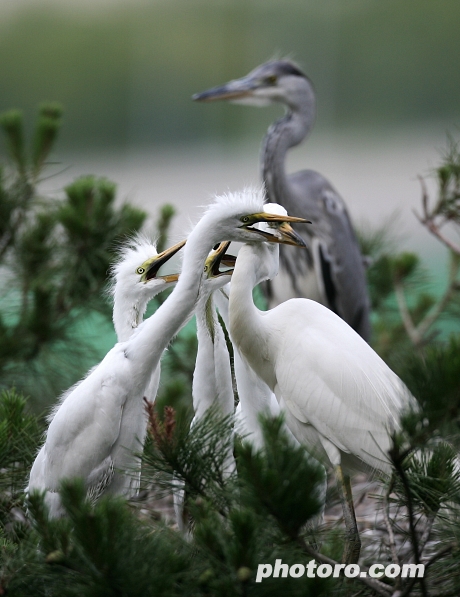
column 134, row 284
column 212, row 378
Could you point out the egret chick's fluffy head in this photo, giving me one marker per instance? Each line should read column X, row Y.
column 218, row 269
column 131, row 254
column 237, row 204
column 135, row 281
column 135, row 273
column 237, row 215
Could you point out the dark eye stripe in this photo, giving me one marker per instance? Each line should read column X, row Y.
column 287, row 68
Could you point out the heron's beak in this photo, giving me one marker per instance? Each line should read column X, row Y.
column 218, row 257
column 233, row 90
column 280, row 229
column 153, row 265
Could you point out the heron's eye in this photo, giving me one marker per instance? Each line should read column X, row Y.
column 271, row 80
column 140, row 270
column 245, row 219
column 205, row 268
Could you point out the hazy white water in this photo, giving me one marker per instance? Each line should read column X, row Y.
column 377, row 178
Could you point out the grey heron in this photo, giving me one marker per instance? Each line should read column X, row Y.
column 332, row 272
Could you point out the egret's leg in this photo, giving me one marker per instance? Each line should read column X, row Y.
column 353, row 542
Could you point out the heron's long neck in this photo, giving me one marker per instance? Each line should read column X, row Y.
column 285, row 133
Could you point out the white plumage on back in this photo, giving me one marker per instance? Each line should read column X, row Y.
column 345, row 391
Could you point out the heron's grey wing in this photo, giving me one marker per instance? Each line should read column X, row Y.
column 337, row 255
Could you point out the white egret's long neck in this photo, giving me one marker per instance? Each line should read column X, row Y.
column 204, row 388
column 153, row 336
column 212, row 380
column 246, row 328
column 206, row 316
column 285, row 133
column 127, row 314
column 221, row 298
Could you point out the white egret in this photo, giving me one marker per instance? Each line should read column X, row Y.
column 134, row 284
column 255, row 397
column 85, row 428
column 340, row 399
column 212, row 377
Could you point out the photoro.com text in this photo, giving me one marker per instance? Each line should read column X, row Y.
column 314, row 570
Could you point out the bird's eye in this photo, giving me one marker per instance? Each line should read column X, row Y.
column 245, row 219
column 205, row 268
column 140, row 270
column 271, row 80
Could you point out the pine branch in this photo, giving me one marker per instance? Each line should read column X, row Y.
column 194, row 456
column 379, row 587
column 417, row 333
column 427, row 530
column 388, row 526
column 397, row 463
column 442, row 552
column 409, row 326
column 428, row 220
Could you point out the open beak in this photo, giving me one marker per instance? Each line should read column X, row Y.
column 285, row 235
column 280, row 229
column 217, row 258
column 154, row 264
column 228, row 260
column 237, row 89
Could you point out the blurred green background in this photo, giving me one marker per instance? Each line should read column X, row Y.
column 386, row 74
column 125, row 71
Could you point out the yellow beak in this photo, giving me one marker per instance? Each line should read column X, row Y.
column 153, row 265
